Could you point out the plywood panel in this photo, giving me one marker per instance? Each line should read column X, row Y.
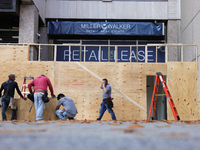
column 14, row 53
column 26, row 68
column 24, row 106
column 83, row 88
column 182, row 79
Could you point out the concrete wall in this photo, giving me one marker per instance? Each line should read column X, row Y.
column 40, row 4
column 190, row 21
column 113, row 10
column 28, row 27
column 107, row 10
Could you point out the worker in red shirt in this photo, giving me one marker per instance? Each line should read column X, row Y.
column 40, row 86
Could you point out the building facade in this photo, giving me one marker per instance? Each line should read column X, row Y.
column 59, row 22
column 29, row 22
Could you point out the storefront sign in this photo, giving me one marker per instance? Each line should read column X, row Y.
column 105, row 28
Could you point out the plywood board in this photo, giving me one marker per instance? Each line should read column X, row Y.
column 83, row 88
column 14, row 53
column 182, row 80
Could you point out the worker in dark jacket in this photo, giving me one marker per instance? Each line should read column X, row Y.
column 9, row 92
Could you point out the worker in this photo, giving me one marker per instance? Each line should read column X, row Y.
column 40, row 88
column 9, row 92
column 107, row 100
column 69, row 111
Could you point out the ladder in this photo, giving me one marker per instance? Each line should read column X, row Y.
column 159, row 77
column 24, row 85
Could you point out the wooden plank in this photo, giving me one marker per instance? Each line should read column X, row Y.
column 39, row 52
column 182, row 80
column 166, row 54
column 146, row 54
column 55, row 53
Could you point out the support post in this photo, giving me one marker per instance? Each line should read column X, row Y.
column 196, row 53
column 115, row 53
column 146, row 54
column 181, row 53
column 69, row 53
column 130, row 52
column 156, row 54
column 99, row 53
column 166, row 54
column 39, row 53
column 55, row 53
column 84, row 53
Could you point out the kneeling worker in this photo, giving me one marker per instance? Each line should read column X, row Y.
column 69, row 111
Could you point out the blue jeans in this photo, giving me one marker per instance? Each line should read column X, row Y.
column 5, row 103
column 62, row 114
column 39, row 106
column 103, row 108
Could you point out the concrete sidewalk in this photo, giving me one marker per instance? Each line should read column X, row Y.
column 103, row 135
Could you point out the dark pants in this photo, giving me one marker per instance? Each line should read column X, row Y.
column 5, row 103
column 103, row 108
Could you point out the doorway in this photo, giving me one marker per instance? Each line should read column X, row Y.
column 161, row 106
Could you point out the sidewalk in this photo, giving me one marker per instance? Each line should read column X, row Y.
column 103, row 135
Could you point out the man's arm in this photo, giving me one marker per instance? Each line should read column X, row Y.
column 1, row 89
column 104, row 88
column 57, row 107
column 30, row 86
column 19, row 92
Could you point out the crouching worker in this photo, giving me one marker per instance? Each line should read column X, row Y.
column 69, row 111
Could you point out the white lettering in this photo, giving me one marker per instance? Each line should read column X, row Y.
column 66, row 54
column 83, row 25
column 149, row 55
column 133, row 56
column 140, row 54
column 92, row 55
column 102, row 56
column 122, row 55
column 75, row 55
column 85, row 54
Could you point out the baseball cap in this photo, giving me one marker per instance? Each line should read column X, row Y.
column 12, row 75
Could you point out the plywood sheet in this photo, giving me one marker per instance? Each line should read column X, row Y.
column 83, row 88
column 14, row 53
column 182, row 80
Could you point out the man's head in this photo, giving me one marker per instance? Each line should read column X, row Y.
column 105, row 81
column 12, row 76
column 60, row 96
column 43, row 75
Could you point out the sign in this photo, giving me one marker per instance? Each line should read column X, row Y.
column 106, row 28
column 124, row 54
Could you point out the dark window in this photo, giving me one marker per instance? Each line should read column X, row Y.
column 5, row 4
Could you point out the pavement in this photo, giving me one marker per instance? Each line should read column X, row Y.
column 99, row 135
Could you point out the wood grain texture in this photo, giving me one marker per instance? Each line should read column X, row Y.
column 14, row 53
column 182, row 80
column 83, row 88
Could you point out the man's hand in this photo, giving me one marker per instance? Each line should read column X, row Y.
column 103, row 83
column 57, row 107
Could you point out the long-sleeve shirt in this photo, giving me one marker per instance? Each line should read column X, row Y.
column 12, row 86
column 41, row 82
